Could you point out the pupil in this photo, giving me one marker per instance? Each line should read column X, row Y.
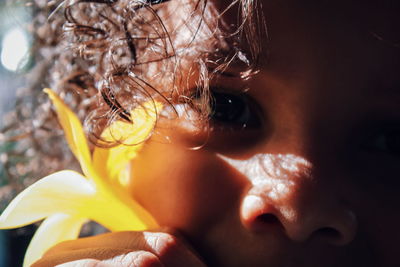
column 228, row 108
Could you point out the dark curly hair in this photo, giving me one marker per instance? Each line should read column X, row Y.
column 105, row 57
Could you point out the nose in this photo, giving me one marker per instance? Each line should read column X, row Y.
column 283, row 193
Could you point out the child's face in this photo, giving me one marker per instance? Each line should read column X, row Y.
column 314, row 180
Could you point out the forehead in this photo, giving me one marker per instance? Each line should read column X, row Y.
column 375, row 19
column 378, row 17
column 336, row 33
column 336, row 38
column 333, row 49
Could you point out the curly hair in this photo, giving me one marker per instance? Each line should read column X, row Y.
column 105, row 57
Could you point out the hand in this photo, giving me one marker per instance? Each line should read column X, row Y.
column 122, row 249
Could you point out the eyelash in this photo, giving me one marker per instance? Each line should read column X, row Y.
column 235, row 122
column 230, row 111
column 237, row 114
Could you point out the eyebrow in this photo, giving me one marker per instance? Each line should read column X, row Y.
column 384, row 40
column 229, row 81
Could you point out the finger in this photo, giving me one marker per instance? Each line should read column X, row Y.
column 172, row 250
column 124, row 240
column 95, row 253
column 168, row 245
column 82, row 263
column 135, row 259
column 132, row 259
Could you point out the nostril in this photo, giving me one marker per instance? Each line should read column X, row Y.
column 268, row 218
column 266, row 221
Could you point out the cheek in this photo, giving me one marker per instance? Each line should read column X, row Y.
column 182, row 188
column 380, row 223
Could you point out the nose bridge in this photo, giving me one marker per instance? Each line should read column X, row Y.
column 274, row 176
column 283, row 186
column 282, row 181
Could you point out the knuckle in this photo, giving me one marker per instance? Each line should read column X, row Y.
column 163, row 242
column 135, row 259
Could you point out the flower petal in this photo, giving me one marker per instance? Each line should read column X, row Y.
column 112, row 162
column 55, row 229
column 73, row 132
column 65, row 191
column 117, row 211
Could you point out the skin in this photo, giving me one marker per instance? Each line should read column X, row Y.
column 316, row 184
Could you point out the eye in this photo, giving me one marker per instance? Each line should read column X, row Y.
column 380, row 154
column 236, row 123
column 234, row 112
column 385, row 141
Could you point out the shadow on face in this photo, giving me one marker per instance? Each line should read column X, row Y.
column 316, row 185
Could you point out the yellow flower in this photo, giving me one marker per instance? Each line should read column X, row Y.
column 67, row 199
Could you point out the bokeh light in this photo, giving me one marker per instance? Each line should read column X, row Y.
column 15, row 49
column 15, row 61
